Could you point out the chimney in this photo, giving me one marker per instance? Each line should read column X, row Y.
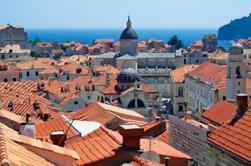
column 131, row 134
column 58, row 137
column 242, row 104
column 167, row 161
column 11, row 106
column 188, row 115
column 36, row 105
column 27, row 116
column 27, row 128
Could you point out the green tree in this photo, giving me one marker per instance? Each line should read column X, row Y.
column 35, row 55
column 175, row 42
column 36, row 40
column 58, row 56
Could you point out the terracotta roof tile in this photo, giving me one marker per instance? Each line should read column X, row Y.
column 43, row 129
column 96, row 146
column 158, row 147
column 103, row 41
column 211, row 74
column 157, row 129
column 104, row 113
column 178, row 75
column 220, row 113
column 147, row 88
column 164, row 137
column 138, row 161
column 235, row 137
column 15, row 154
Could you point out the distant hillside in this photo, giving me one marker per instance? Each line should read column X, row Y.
column 236, row 29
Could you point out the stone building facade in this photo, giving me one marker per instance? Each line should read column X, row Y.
column 209, row 43
column 190, row 137
column 178, row 88
column 13, row 35
column 204, row 86
column 220, row 157
column 15, row 53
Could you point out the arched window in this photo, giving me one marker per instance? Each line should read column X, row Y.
column 238, row 72
column 180, row 91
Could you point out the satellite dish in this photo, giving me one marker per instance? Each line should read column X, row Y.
column 151, row 155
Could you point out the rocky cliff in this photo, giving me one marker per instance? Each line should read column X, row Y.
column 236, row 29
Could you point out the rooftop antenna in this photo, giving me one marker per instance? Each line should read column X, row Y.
column 151, row 155
column 62, row 138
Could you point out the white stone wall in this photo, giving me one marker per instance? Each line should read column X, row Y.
column 176, row 98
column 221, row 157
column 236, row 85
column 33, row 74
column 189, row 139
column 73, row 104
column 200, row 95
column 196, row 57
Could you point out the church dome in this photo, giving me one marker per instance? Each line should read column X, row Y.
column 128, row 75
column 129, row 32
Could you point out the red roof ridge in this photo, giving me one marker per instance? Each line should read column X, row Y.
column 3, row 155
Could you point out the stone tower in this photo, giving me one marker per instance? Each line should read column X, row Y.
column 236, row 72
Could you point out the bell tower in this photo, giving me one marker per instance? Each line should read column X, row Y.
column 236, row 72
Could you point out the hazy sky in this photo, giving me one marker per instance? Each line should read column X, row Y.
column 113, row 13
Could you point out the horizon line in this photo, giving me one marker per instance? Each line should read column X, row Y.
column 110, row 28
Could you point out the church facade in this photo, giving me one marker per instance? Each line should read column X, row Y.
column 153, row 68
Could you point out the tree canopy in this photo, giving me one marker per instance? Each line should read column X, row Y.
column 175, row 42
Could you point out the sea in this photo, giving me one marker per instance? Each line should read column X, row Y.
column 188, row 36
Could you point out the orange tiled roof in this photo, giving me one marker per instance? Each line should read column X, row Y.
column 147, row 88
column 12, row 116
column 158, row 147
column 44, row 44
column 164, row 137
column 43, row 129
column 40, row 63
column 21, row 94
column 211, row 74
column 106, row 69
column 235, row 138
column 112, row 88
column 72, row 68
column 138, row 161
column 197, row 44
column 55, row 87
column 221, row 112
column 49, row 70
column 103, row 41
column 31, row 142
column 178, row 75
column 15, row 154
column 155, row 128
column 104, row 113
column 96, row 146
